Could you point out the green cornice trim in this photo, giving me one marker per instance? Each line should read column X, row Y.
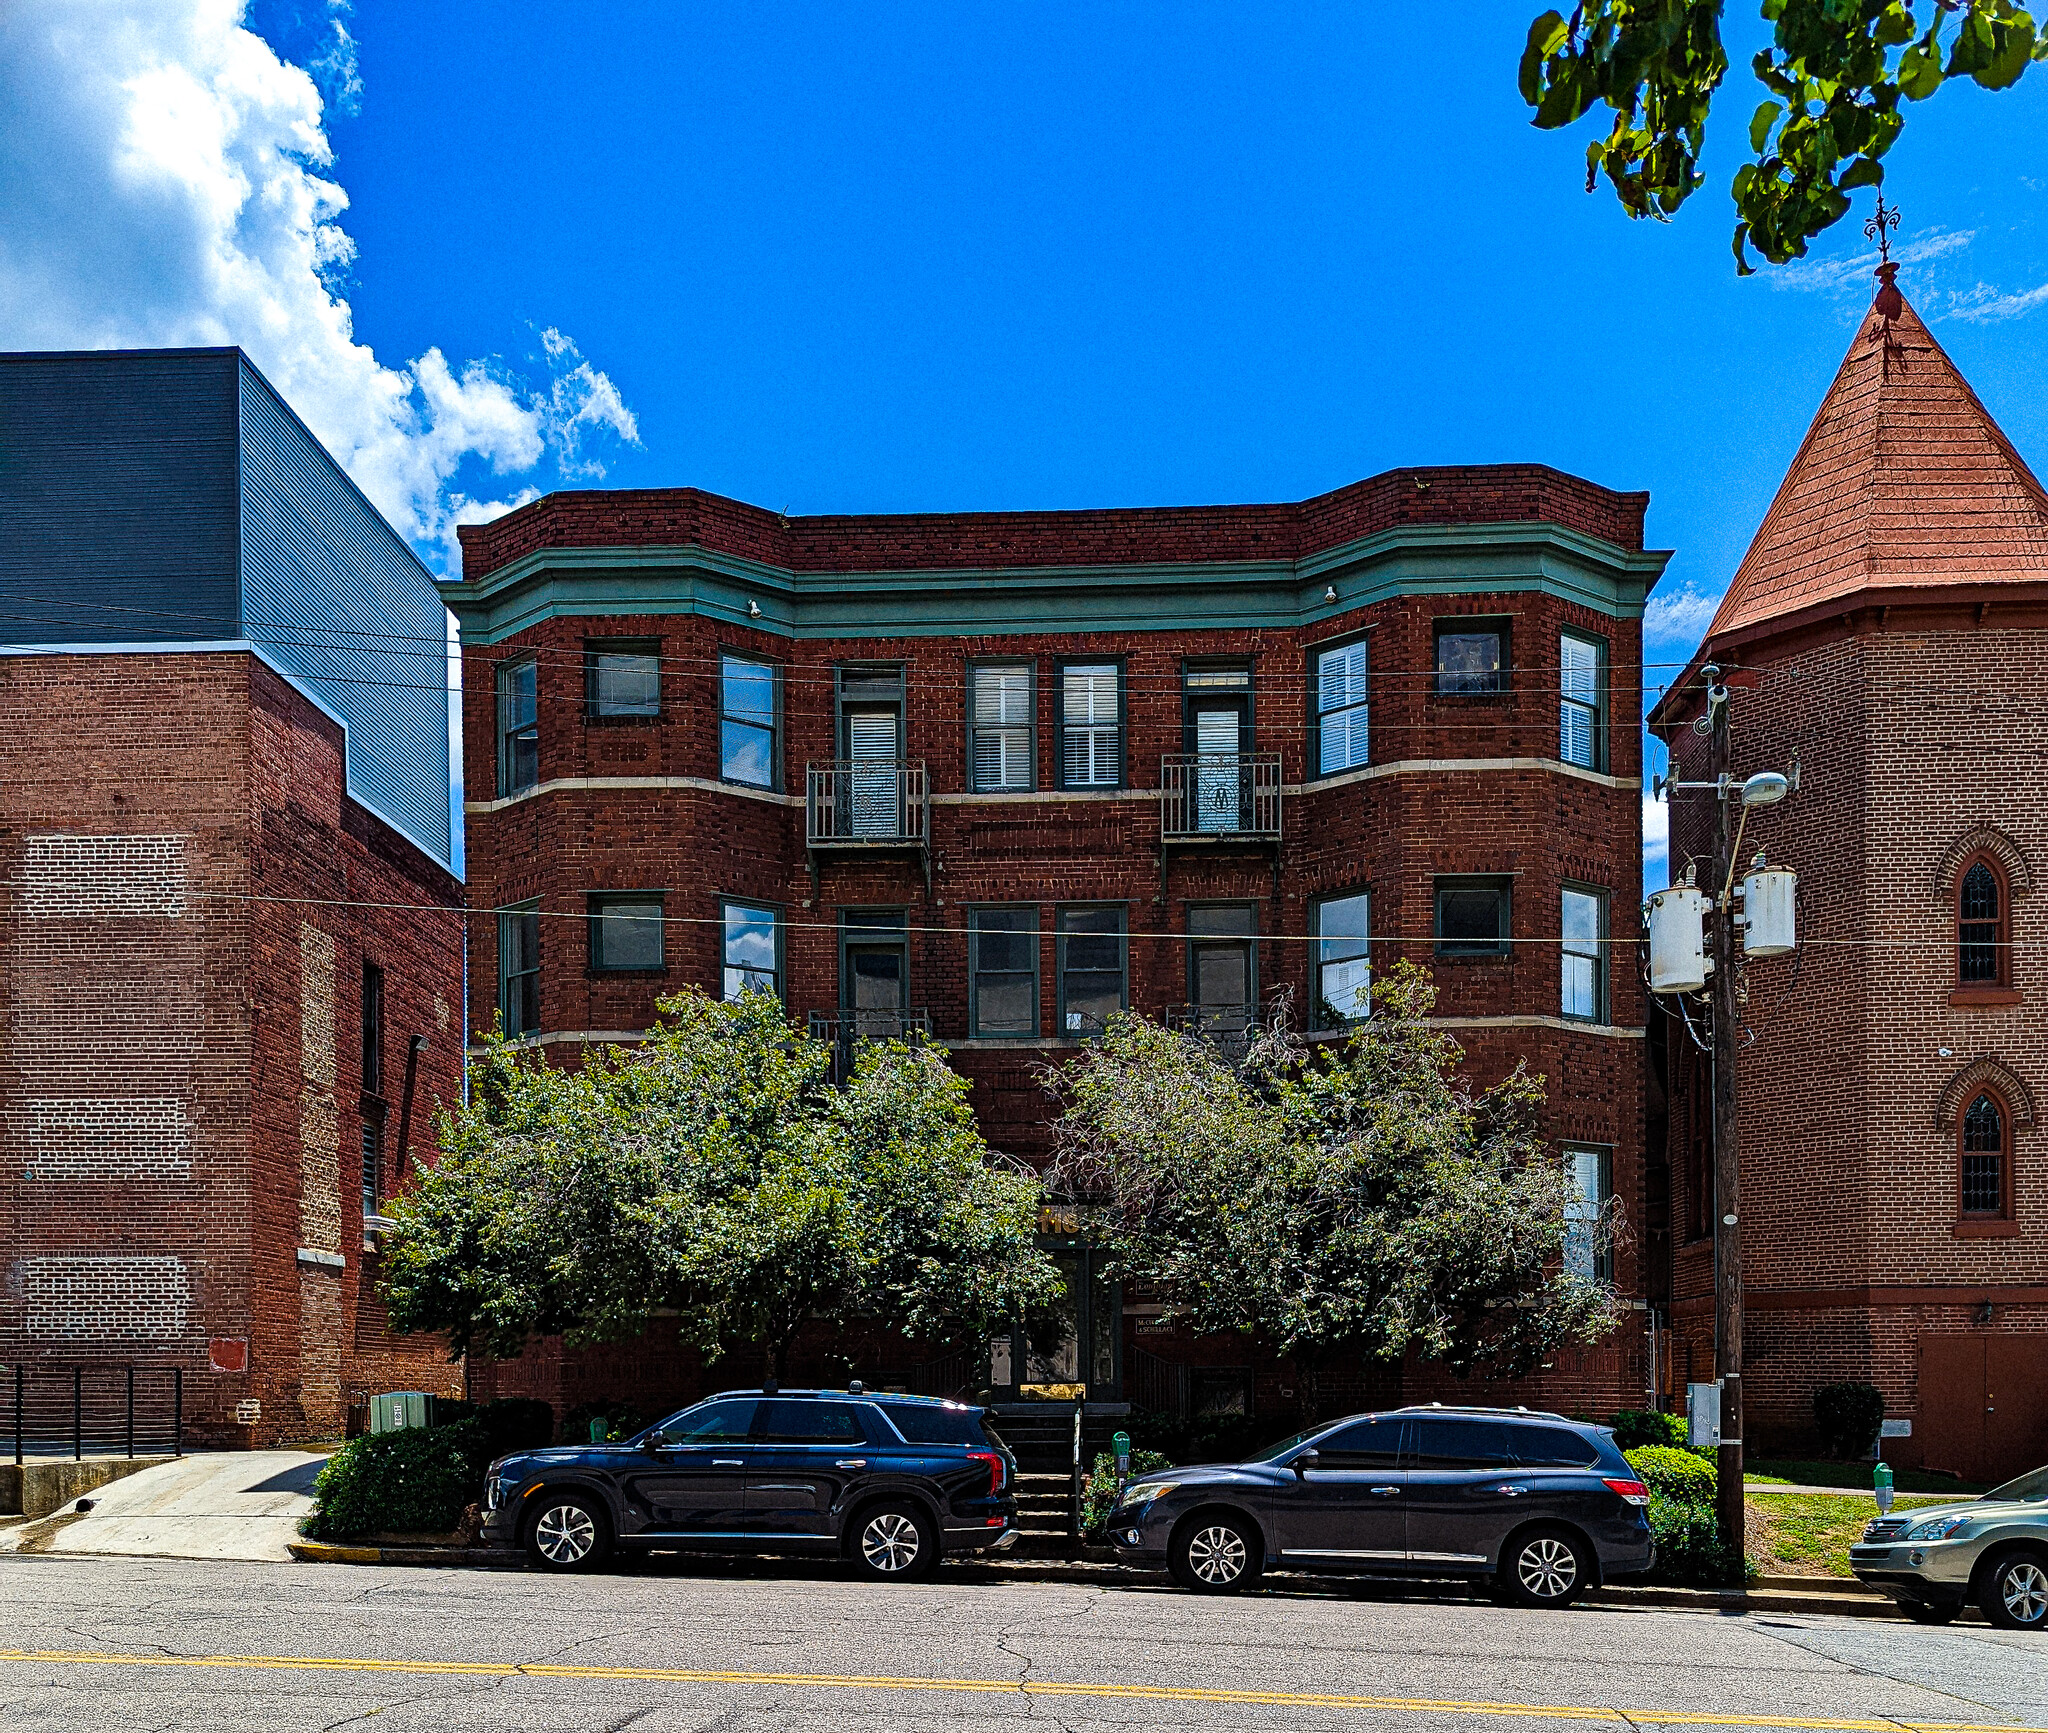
column 1416, row 560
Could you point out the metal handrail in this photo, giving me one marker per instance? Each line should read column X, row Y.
column 866, row 803
column 1210, row 796
column 1227, row 1027
column 847, row 1029
column 109, row 1421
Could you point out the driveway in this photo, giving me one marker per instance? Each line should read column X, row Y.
column 242, row 1504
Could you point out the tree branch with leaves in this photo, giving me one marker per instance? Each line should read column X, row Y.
column 1354, row 1198
column 1836, row 73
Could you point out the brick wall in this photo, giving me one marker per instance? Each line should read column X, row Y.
column 1911, row 740
column 1456, row 785
column 170, row 1125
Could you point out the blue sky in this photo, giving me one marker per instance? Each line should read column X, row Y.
column 967, row 257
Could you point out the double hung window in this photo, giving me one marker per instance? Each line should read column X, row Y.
column 373, row 1028
column 373, row 1163
column 1343, row 961
column 1091, row 725
column 625, row 933
column 753, row 950
column 1580, row 665
column 1589, row 1172
column 1003, row 989
column 1000, row 731
column 1584, row 916
column 1341, row 739
column 746, row 722
column 519, row 970
column 622, row 679
column 518, row 726
column 1093, row 985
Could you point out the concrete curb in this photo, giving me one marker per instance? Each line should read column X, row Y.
column 1844, row 1603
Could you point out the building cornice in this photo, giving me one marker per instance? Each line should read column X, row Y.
column 1411, row 560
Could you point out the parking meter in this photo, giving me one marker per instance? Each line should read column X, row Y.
column 1121, row 1444
column 1882, row 1481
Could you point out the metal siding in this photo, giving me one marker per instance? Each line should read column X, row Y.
column 335, row 597
column 118, row 520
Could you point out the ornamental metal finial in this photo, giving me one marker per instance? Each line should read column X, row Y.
column 1879, row 229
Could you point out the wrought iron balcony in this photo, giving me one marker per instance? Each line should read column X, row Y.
column 1219, row 796
column 1227, row 1027
column 846, row 1030
column 867, row 803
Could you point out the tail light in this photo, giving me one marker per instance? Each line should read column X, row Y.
column 1634, row 1491
column 998, row 1471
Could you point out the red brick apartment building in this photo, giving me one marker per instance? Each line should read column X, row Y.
column 995, row 776
column 1889, row 624
column 230, row 910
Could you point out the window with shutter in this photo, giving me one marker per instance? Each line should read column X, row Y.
column 1000, row 696
column 1341, row 709
column 1578, row 709
column 1091, row 745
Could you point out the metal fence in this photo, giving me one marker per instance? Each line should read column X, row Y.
column 846, row 1030
column 94, row 1409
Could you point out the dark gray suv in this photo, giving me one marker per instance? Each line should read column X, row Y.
column 1533, row 1505
column 890, row 1482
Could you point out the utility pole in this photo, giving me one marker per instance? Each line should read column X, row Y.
column 1698, row 948
column 1727, row 1150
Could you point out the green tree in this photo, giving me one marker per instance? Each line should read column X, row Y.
column 1835, row 75
column 1355, row 1199
column 714, row 1171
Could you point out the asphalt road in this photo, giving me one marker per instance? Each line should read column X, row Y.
column 158, row 1644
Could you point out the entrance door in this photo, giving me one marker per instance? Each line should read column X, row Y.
column 1219, row 743
column 1082, row 1340
column 1222, row 968
column 874, row 975
column 1984, row 1404
column 874, row 750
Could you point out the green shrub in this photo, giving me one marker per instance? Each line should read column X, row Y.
column 1098, row 1488
column 1849, row 1416
column 1676, row 1474
column 1689, row 1550
column 1636, row 1427
column 413, row 1482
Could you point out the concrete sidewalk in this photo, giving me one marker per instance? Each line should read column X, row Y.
column 243, row 1504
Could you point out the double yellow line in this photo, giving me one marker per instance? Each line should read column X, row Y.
column 986, row 1687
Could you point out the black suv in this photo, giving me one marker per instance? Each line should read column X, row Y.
column 892, row 1482
column 1534, row 1506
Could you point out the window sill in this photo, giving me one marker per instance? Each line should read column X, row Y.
column 1474, row 956
column 638, row 720
column 1470, row 697
column 1987, row 1228
column 1985, row 996
column 598, row 974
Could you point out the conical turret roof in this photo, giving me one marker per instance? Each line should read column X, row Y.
column 1903, row 483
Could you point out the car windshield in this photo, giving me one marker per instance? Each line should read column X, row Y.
column 2028, row 1489
column 1273, row 1452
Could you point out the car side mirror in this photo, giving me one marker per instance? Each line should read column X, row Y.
column 656, row 1440
column 1305, row 1461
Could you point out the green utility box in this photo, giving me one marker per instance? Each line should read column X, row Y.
column 397, row 1409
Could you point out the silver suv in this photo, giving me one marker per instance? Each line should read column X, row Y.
column 1936, row 1560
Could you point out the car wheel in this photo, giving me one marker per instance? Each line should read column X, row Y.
column 895, row 1543
column 2015, row 1594
column 1932, row 1612
column 567, row 1533
column 1214, row 1554
column 1546, row 1567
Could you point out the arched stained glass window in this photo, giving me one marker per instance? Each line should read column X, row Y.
column 1983, row 1158
column 1980, row 908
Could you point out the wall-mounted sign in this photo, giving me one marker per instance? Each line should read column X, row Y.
column 228, row 1353
column 1896, row 1429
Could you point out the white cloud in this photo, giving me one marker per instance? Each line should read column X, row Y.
column 1840, row 275
column 1680, row 616
column 1984, row 303
column 168, row 181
